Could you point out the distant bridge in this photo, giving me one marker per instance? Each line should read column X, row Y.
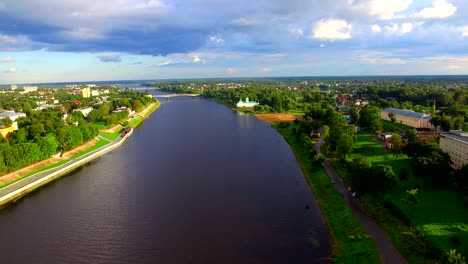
column 174, row 95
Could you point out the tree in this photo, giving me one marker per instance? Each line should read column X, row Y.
column 454, row 258
column 411, row 135
column 392, row 117
column 354, row 113
column 396, row 140
column 411, row 199
column 370, row 117
column 325, row 131
column 344, row 145
column 383, row 178
column 138, row 105
column 7, row 122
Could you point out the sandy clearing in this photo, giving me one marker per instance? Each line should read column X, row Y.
column 276, row 118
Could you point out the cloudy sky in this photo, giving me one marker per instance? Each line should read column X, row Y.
column 80, row 40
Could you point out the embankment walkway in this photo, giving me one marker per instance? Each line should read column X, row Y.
column 20, row 188
column 388, row 253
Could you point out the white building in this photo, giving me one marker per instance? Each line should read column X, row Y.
column 13, row 87
column 12, row 115
column 84, row 111
column 246, row 103
column 455, row 143
column 28, row 89
column 94, row 92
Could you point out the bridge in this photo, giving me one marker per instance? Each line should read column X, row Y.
column 174, row 95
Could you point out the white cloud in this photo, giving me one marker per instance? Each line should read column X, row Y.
column 377, row 57
column 332, row 29
column 439, row 9
column 197, row 59
column 216, row 39
column 322, row 45
column 165, row 63
column 453, row 67
column 296, row 32
column 398, row 29
column 376, row 29
column 381, row 9
column 464, row 31
column 12, row 70
column 7, row 59
column 264, row 70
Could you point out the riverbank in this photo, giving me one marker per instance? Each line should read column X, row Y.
column 350, row 242
column 21, row 182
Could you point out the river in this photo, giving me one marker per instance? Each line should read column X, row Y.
column 196, row 183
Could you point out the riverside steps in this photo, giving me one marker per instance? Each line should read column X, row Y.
column 24, row 186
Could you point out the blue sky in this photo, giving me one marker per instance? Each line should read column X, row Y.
column 85, row 40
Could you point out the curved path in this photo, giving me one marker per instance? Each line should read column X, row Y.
column 388, row 253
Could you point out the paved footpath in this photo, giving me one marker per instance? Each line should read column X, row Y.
column 388, row 253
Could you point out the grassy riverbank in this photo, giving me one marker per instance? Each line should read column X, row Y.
column 350, row 243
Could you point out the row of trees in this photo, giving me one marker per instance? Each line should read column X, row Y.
column 40, row 135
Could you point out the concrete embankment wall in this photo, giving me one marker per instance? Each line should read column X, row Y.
column 58, row 172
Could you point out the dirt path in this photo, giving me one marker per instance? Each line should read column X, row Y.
column 388, row 253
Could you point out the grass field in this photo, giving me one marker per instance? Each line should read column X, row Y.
column 350, row 243
column 111, row 136
column 100, row 125
column 439, row 214
column 378, row 155
column 394, row 127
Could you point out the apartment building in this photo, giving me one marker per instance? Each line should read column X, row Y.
column 455, row 143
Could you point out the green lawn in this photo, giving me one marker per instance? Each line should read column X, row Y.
column 350, row 243
column 440, row 216
column 100, row 125
column 112, row 136
column 394, row 127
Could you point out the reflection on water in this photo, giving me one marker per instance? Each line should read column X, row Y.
column 196, row 183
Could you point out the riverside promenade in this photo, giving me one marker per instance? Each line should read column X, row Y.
column 20, row 188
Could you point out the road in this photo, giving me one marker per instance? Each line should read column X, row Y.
column 388, row 253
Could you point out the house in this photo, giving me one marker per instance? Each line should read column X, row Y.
column 148, row 94
column 246, row 103
column 408, row 117
column 455, row 143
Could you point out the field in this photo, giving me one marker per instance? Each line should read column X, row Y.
column 394, row 127
column 439, row 214
column 276, row 118
column 350, row 243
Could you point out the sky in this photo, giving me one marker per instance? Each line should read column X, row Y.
column 92, row 40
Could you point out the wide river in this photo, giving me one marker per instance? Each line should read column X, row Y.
column 195, row 183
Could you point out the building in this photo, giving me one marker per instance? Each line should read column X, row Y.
column 246, row 103
column 94, row 92
column 28, row 89
column 12, row 115
column 148, row 94
column 455, row 143
column 14, row 126
column 408, row 117
column 86, row 92
column 13, row 87
column 84, row 111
